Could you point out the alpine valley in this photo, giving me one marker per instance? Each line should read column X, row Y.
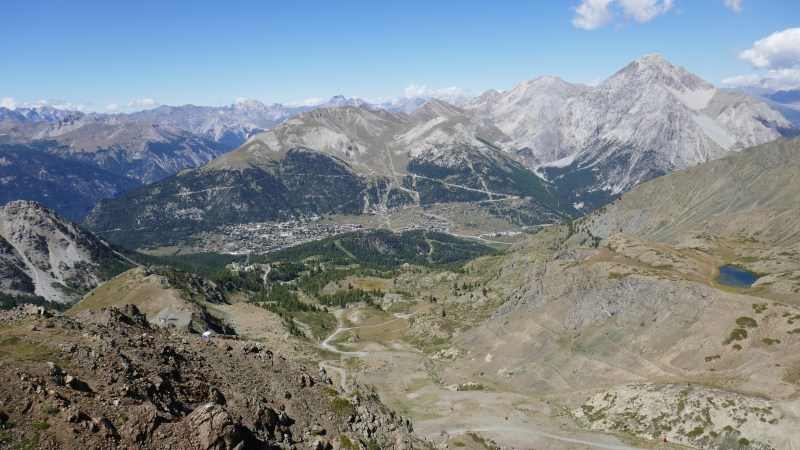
column 529, row 269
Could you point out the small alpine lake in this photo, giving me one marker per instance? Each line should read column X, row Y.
column 736, row 277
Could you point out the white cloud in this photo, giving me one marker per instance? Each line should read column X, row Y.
column 56, row 103
column 780, row 50
column 422, row 91
column 142, row 103
column 742, row 80
column 64, row 105
column 111, row 107
column 311, row 101
column 592, row 14
column 785, row 76
column 774, row 79
column 735, row 5
column 8, row 102
column 644, row 10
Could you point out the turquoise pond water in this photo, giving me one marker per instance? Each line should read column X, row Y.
column 735, row 277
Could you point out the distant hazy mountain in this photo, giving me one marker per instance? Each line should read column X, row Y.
column 784, row 99
column 39, row 114
column 69, row 160
column 229, row 125
column 232, row 125
column 115, row 143
column 43, row 254
column 69, row 186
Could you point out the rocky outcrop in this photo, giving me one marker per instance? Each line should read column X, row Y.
column 594, row 292
column 690, row 415
column 134, row 386
column 212, row 428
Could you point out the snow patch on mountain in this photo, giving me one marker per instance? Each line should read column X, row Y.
column 694, row 99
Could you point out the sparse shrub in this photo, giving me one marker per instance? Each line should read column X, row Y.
column 744, row 442
column 341, row 405
column 459, row 444
column 746, row 322
column 738, row 334
column 480, row 440
column 347, row 443
column 40, row 426
column 330, row 391
column 697, row 431
column 737, row 347
column 770, row 341
column 123, row 418
column 49, row 409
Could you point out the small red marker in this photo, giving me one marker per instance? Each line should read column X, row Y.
column 664, row 440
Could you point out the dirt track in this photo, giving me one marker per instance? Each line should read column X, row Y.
column 439, row 413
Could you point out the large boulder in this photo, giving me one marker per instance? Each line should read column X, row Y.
column 212, row 428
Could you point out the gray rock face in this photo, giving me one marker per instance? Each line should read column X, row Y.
column 589, row 293
column 43, row 254
column 648, row 119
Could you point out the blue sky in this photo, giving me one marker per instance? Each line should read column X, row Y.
column 133, row 54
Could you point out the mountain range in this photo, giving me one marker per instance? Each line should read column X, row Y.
column 628, row 293
column 69, row 160
column 542, row 151
column 563, row 148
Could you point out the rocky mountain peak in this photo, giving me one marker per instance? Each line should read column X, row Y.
column 434, row 108
column 652, row 71
column 249, row 105
column 341, row 100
